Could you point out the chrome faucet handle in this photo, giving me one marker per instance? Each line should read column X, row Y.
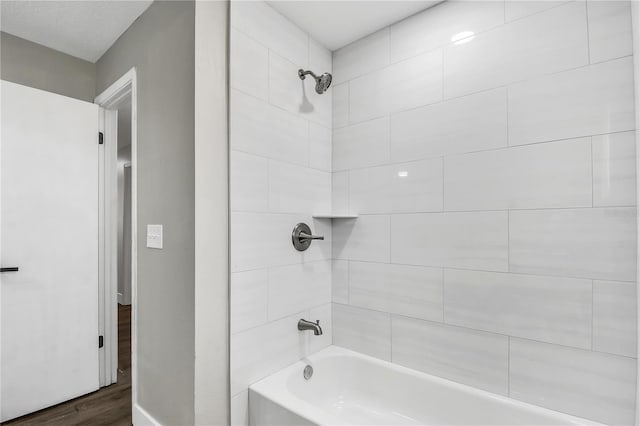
column 301, row 237
column 305, row 236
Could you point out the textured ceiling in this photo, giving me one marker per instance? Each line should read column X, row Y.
column 336, row 23
column 84, row 29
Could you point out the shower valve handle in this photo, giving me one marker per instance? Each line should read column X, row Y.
column 305, row 236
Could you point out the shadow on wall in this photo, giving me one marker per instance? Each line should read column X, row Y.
column 306, row 106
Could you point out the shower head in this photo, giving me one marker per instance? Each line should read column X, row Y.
column 322, row 82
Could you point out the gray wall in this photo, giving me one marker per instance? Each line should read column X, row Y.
column 160, row 44
column 34, row 65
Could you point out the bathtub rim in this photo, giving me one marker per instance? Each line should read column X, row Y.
column 274, row 388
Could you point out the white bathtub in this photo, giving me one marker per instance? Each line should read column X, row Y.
column 348, row 388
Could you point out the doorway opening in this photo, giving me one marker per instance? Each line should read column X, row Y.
column 118, row 299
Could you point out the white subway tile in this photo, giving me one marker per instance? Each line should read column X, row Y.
column 437, row 26
column 362, row 56
column 369, row 96
column 544, row 175
column 340, row 192
column 298, row 189
column 319, row 147
column 261, row 240
column 516, row 9
column 549, row 309
column 415, row 82
column 587, row 101
column 262, row 129
column 470, row 240
column 597, row 243
column 610, row 34
column 583, row 383
column 340, row 281
column 249, row 182
column 548, row 42
column 248, row 299
column 614, row 169
column 260, row 351
column 285, row 88
column 340, row 105
column 436, row 130
column 614, row 317
column 398, row 188
column 294, row 288
column 361, row 145
column 249, row 67
column 412, row 291
column 361, row 330
column 365, row 238
column 465, row 356
column 263, row 23
column 408, row 84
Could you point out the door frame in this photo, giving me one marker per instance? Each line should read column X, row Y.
column 108, row 293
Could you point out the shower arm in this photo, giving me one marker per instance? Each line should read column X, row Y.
column 302, row 73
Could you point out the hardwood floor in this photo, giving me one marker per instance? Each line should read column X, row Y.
column 108, row 406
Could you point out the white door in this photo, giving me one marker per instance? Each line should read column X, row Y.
column 49, row 230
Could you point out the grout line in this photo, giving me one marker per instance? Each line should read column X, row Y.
column 309, row 145
column 507, row 118
column 269, row 182
column 592, row 309
column 509, row 366
column 348, row 282
column 564, row 3
column 434, row 212
column 496, row 88
column 504, row 12
column 508, row 240
column 477, row 330
column 275, row 266
column 438, row 212
column 443, row 74
column 592, row 173
column 349, row 122
column 443, row 295
column 452, row 268
column 586, row 18
column 348, row 189
column 391, row 337
column 268, row 289
column 459, row 154
column 443, row 186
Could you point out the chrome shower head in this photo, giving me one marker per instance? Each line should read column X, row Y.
column 322, row 82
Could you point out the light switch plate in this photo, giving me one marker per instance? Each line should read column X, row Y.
column 154, row 236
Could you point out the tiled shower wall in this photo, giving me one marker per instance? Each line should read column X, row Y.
column 280, row 175
column 495, row 182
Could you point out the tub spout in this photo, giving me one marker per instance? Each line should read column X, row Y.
column 308, row 325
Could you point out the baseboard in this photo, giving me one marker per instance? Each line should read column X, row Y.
column 140, row 417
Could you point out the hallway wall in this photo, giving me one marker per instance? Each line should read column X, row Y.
column 160, row 44
column 34, row 65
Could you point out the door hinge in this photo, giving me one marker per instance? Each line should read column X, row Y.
column 100, row 138
column 100, row 341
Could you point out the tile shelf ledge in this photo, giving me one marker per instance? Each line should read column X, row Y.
column 334, row 216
